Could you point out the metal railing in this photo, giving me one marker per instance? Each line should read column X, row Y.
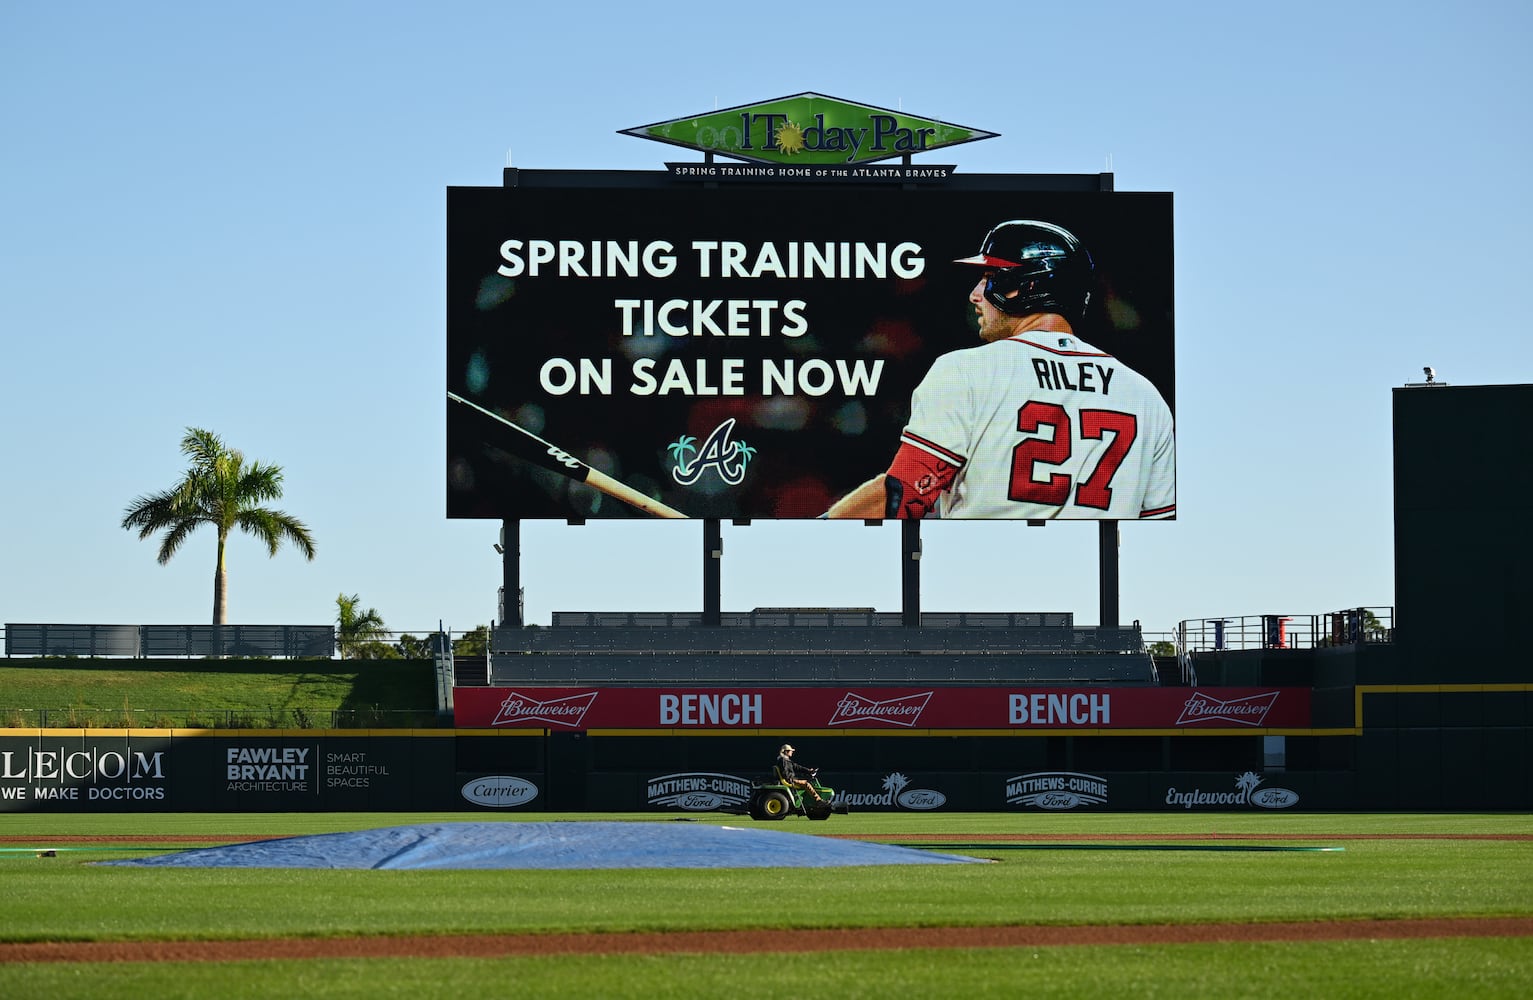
column 219, row 641
column 812, row 618
column 1351, row 626
column 872, row 640
column 147, row 641
column 787, row 669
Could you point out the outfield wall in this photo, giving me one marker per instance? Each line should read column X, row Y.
column 1404, row 748
column 536, row 770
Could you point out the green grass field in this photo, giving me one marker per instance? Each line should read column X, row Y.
column 1098, row 881
column 167, row 694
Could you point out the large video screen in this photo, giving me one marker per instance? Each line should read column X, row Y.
column 781, row 351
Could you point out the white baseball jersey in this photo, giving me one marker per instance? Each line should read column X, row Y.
column 1043, row 425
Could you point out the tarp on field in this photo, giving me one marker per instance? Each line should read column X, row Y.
column 568, row 845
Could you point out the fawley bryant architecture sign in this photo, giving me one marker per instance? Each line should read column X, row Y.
column 808, row 129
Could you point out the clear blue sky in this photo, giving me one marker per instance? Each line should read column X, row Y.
column 232, row 217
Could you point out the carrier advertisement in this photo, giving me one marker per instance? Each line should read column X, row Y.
column 786, row 351
column 892, row 709
column 83, row 771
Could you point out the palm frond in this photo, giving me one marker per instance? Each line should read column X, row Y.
column 274, row 527
column 150, row 513
column 175, row 536
column 204, row 448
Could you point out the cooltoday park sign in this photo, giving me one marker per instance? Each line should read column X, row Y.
column 807, row 135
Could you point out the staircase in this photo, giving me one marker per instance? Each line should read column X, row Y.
column 471, row 671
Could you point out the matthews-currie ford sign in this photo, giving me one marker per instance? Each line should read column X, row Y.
column 807, row 130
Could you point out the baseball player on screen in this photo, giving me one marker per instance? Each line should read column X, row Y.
column 1034, row 423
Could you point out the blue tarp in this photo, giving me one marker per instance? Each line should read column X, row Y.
column 551, row 845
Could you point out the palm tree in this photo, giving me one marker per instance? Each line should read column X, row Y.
column 475, row 642
column 354, row 628
column 680, row 449
column 221, row 490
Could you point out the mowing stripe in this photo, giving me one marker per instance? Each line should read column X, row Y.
column 55, row 850
column 1112, row 847
column 757, row 941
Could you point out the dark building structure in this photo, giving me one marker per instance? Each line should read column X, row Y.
column 1444, row 710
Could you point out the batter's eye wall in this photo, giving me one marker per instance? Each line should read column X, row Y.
column 751, row 350
column 1463, row 530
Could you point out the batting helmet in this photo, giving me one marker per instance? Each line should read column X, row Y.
column 1044, row 265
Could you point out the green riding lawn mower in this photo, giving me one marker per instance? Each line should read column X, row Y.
column 773, row 798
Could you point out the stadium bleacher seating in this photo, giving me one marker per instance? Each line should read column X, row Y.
column 817, row 647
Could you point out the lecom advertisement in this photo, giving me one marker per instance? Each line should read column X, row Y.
column 793, row 352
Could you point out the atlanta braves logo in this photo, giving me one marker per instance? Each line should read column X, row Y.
column 728, row 458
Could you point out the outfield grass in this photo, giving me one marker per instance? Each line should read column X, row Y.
column 67, row 898
column 1335, row 971
column 168, row 694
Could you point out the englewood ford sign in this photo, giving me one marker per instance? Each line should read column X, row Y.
column 1245, row 790
column 808, row 129
column 745, row 707
column 895, row 792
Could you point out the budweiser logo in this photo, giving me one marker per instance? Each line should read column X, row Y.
column 901, row 711
column 1248, row 711
column 567, row 711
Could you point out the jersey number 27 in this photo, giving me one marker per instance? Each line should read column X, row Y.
column 1053, row 490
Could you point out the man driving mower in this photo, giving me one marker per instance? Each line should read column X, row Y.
column 791, row 772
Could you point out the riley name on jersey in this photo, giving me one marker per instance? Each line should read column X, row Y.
column 1055, row 376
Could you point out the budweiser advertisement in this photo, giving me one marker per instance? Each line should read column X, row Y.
column 747, row 707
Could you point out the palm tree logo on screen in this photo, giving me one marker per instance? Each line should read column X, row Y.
column 717, row 452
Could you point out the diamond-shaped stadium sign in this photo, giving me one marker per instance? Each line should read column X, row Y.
column 808, row 129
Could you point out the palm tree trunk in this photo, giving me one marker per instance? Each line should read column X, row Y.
column 221, row 585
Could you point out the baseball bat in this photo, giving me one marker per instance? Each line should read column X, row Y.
column 525, row 444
